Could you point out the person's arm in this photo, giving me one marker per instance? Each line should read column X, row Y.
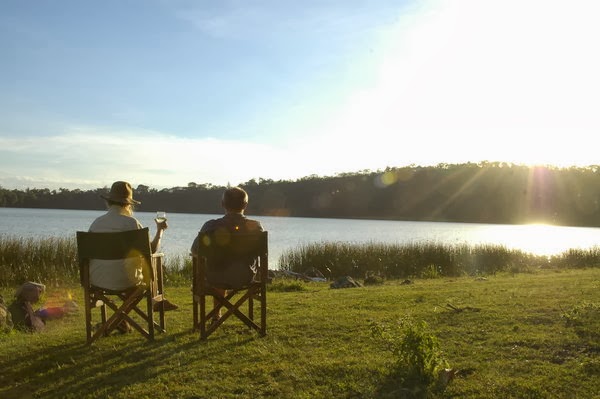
column 160, row 227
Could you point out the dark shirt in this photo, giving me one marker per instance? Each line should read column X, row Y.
column 229, row 274
column 231, row 222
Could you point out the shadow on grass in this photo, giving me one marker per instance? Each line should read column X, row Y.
column 392, row 387
column 104, row 369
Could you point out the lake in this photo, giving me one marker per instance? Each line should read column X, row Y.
column 287, row 233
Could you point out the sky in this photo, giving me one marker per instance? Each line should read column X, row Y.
column 168, row 92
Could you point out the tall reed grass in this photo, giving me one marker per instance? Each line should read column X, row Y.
column 48, row 260
column 424, row 259
column 578, row 258
column 54, row 260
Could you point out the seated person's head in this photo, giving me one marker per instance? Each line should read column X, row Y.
column 121, row 194
column 235, row 200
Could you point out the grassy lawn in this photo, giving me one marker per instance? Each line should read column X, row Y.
column 533, row 335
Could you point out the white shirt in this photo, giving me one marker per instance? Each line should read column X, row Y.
column 115, row 274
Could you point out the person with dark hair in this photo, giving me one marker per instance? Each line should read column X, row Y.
column 234, row 201
column 121, row 274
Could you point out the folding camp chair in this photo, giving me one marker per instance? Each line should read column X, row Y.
column 121, row 245
column 218, row 250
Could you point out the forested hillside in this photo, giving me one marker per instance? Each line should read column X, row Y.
column 483, row 192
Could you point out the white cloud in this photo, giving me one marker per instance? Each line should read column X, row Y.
column 88, row 157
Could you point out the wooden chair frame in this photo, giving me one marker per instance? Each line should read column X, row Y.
column 243, row 245
column 121, row 245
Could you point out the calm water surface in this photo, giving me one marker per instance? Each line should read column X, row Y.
column 288, row 233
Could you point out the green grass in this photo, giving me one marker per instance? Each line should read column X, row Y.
column 531, row 335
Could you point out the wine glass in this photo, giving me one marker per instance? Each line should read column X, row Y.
column 161, row 217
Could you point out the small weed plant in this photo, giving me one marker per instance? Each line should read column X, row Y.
column 432, row 271
column 373, row 279
column 417, row 355
column 286, row 285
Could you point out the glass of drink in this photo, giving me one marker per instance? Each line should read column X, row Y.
column 161, row 217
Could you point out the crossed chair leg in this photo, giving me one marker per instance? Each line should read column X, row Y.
column 121, row 313
column 231, row 309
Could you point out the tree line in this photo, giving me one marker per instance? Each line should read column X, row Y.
column 485, row 192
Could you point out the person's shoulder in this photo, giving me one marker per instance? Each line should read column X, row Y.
column 136, row 223
column 210, row 225
column 253, row 225
column 115, row 222
column 98, row 223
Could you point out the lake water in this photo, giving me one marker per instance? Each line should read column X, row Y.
column 287, row 233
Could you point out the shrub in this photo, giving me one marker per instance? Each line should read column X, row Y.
column 418, row 359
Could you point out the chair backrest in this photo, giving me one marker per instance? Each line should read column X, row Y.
column 222, row 244
column 233, row 253
column 117, row 245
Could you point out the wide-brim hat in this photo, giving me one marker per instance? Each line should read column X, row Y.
column 122, row 193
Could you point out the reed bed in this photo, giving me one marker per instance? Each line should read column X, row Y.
column 54, row 260
column 49, row 260
column 578, row 258
column 178, row 269
column 424, row 260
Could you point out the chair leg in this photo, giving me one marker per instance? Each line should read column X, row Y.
column 195, row 307
column 203, row 320
column 120, row 313
column 103, row 313
column 160, row 290
column 195, row 321
column 150, row 314
column 88, row 318
column 231, row 308
column 196, row 295
column 251, row 308
column 263, row 308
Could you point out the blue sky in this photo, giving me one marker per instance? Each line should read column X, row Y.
column 166, row 92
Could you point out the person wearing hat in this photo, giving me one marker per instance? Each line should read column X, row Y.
column 126, row 273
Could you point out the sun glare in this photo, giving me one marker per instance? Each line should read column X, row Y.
column 537, row 238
